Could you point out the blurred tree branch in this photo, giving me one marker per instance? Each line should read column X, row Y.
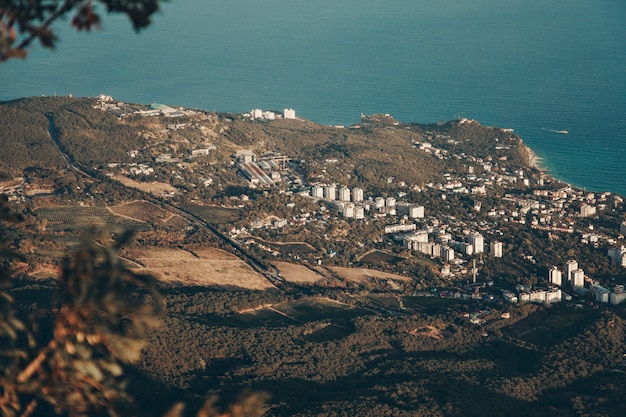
column 24, row 21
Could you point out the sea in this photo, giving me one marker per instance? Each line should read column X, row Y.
column 552, row 70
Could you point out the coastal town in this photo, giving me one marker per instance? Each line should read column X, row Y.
column 291, row 251
column 454, row 244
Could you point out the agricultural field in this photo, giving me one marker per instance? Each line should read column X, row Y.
column 368, row 276
column 298, row 274
column 78, row 218
column 207, row 267
column 213, row 214
column 146, row 212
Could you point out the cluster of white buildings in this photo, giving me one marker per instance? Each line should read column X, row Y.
column 574, row 277
column 444, row 247
column 269, row 115
column 350, row 202
column 528, row 294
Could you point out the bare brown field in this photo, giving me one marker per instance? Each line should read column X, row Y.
column 427, row 331
column 158, row 188
column 364, row 275
column 299, row 274
column 206, row 267
column 147, row 212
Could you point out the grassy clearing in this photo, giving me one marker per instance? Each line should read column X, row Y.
column 144, row 211
column 315, row 310
column 214, row 214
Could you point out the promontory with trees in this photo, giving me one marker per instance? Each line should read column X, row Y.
column 384, row 268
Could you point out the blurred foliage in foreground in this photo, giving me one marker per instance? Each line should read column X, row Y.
column 72, row 361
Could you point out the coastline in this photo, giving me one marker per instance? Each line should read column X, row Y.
column 533, row 160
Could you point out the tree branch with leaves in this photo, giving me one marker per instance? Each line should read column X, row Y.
column 25, row 21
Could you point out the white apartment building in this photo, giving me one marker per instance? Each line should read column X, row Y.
column 397, row 228
column 330, row 192
column 570, row 266
column 348, row 211
column 578, row 278
column 618, row 255
column 317, row 191
column 618, row 295
column 357, row 195
column 496, row 249
column 390, row 202
column 555, row 276
column 344, row 194
column 600, row 294
column 416, row 212
column 477, row 241
column 587, row 210
column 447, row 253
column 289, row 114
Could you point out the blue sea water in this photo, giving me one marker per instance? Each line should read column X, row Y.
column 536, row 66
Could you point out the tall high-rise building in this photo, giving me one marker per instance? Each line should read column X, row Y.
column 344, row 194
column 317, row 191
column 555, row 277
column 496, row 249
column 570, row 266
column 578, row 278
column 357, row 194
column 447, row 253
column 477, row 241
column 330, row 192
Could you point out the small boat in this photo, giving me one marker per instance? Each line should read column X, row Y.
column 560, row 132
